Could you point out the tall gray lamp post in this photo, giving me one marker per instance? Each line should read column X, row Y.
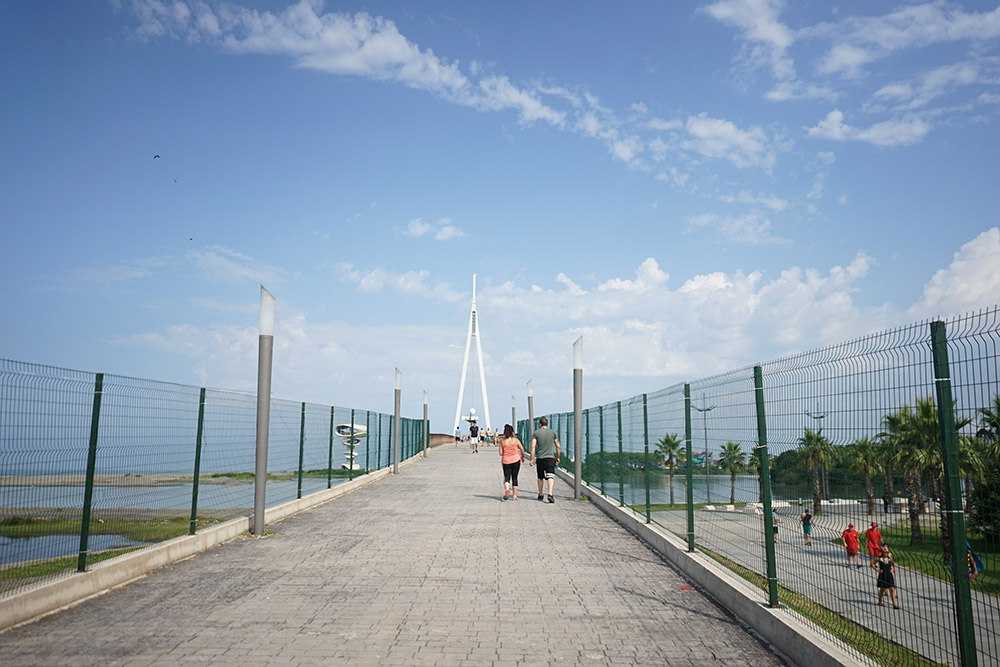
column 513, row 412
column 395, row 422
column 577, row 417
column 531, row 414
column 425, row 433
column 265, row 349
column 708, row 457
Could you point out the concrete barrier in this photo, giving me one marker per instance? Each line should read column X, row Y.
column 795, row 637
column 49, row 597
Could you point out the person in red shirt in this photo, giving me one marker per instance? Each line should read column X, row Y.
column 873, row 540
column 850, row 537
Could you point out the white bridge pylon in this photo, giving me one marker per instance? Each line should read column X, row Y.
column 473, row 333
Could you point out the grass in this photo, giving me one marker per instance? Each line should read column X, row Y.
column 139, row 530
column 928, row 557
column 878, row 648
column 35, row 571
column 285, row 476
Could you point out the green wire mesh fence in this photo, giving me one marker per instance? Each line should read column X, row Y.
column 94, row 466
column 874, row 493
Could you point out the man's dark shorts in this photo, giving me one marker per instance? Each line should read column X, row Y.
column 546, row 468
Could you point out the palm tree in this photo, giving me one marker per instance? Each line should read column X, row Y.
column 860, row 456
column 732, row 459
column 668, row 449
column 814, row 451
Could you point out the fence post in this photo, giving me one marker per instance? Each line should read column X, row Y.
column 368, row 437
column 621, row 463
column 197, row 462
column 954, row 514
column 88, row 492
column 302, row 445
column 378, row 445
column 600, row 439
column 645, row 455
column 329, row 458
column 765, row 478
column 586, row 444
column 688, row 468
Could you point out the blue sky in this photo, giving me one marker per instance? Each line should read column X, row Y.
column 691, row 187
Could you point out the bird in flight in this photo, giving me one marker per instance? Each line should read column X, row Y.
column 155, row 156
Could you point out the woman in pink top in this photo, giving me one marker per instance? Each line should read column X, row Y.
column 511, row 456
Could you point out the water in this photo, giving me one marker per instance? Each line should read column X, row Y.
column 57, row 546
column 176, row 497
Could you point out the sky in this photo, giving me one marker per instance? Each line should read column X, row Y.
column 690, row 187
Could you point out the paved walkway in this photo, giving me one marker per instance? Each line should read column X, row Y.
column 425, row 568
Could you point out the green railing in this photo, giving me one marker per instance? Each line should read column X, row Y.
column 899, row 429
column 95, row 465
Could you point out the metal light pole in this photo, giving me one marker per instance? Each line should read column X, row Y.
column 426, row 435
column 531, row 413
column 513, row 412
column 577, row 416
column 708, row 458
column 395, row 423
column 818, row 416
column 265, row 349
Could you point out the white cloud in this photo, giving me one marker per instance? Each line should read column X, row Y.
column 753, row 228
column 221, row 264
column 443, row 230
column 899, row 132
column 338, row 43
column 910, row 95
column 971, row 281
column 749, row 197
column 717, row 138
column 417, row 228
column 861, row 40
column 767, row 38
column 411, row 283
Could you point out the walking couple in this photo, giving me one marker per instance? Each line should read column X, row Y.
column 544, row 452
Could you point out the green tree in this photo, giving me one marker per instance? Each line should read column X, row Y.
column 732, row 459
column 860, row 457
column 815, row 451
column 668, row 450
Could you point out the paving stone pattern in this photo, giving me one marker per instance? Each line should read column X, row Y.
column 428, row 567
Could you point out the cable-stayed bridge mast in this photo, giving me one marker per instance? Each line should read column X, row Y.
column 473, row 333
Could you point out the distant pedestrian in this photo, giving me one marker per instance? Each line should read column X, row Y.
column 474, row 437
column 458, row 436
column 545, row 452
column 511, row 457
column 807, row 526
column 886, row 577
column 873, row 540
column 775, row 520
column 975, row 563
column 850, row 537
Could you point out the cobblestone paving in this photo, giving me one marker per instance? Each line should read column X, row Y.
column 425, row 568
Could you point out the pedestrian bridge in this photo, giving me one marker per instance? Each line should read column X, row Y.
column 424, row 567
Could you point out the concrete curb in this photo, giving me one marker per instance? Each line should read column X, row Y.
column 46, row 598
column 795, row 637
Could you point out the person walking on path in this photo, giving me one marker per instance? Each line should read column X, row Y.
column 873, row 540
column 886, row 577
column 545, row 452
column 511, row 457
column 474, row 437
column 807, row 526
column 775, row 520
column 850, row 538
